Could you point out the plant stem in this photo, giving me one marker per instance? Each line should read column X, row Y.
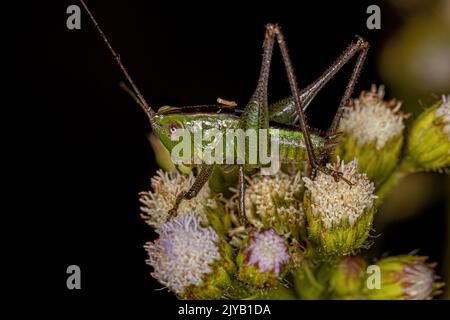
column 447, row 249
column 311, row 278
column 403, row 169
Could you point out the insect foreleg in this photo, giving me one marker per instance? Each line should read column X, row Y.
column 200, row 180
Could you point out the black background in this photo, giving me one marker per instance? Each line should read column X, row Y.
column 80, row 142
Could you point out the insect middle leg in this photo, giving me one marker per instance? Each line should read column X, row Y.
column 256, row 115
column 242, row 214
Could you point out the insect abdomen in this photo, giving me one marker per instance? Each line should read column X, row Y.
column 292, row 145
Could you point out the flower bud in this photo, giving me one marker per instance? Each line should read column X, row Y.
column 166, row 186
column 339, row 215
column 405, row 277
column 348, row 278
column 189, row 259
column 428, row 144
column 275, row 202
column 372, row 132
column 263, row 259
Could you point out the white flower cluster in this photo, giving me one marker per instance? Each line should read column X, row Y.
column 183, row 253
column 333, row 201
column 371, row 119
column 166, row 186
column 274, row 198
column 444, row 112
column 268, row 251
column 418, row 281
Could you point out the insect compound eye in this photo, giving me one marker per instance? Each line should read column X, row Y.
column 173, row 126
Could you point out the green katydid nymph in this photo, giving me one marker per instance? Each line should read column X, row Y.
column 296, row 142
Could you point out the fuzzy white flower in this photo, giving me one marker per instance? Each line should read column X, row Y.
column 183, row 253
column 444, row 112
column 406, row 277
column 268, row 251
column 334, row 201
column 166, row 186
column 371, row 119
column 275, row 200
column 418, row 281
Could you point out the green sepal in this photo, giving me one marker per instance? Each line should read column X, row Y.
column 347, row 279
column 428, row 146
column 342, row 238
column 219, row 219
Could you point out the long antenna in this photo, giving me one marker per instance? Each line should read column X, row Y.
column 151, row 114
column 123, row 85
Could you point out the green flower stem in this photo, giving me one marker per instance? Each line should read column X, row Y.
column 447, row 249
column 403, row 169
column 305, row 283
column 311, row 278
